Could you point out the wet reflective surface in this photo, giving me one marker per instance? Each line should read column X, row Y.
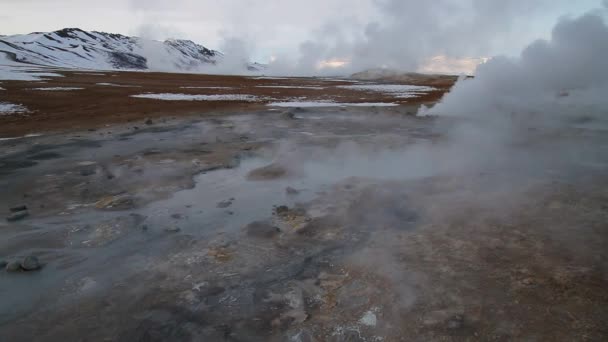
column 306, row 225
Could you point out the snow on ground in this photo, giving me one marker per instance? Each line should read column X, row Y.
column 207, row 87
column 89, row 73
column 269, row 78
column 291, row 87
column 187, row 97
column 58, row 88
column 11, row 70
column 402, row 91
column 117, row 85
column 7, row 108
column 338, row 80
column 15, row 74
column 2, row 88
column 21, row 137
column 330, row 104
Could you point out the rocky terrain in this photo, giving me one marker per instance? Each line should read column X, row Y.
column 289, row 210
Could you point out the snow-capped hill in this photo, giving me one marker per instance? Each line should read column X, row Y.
column 190, row 48
column 75, row 48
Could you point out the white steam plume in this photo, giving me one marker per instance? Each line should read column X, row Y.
column 564, row 77
column 408, row 34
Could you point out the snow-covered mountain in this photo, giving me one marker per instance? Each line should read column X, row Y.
column 75, row 48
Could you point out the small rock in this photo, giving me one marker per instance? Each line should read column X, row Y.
column 224, row 204
column 289, row 115
column 291, row 191
column 17, row 216
column 149, row 122
column 18, row 208
column 177, row 216
column 3, row 263
column 144, row 227
column 281, row 210
column 30, row 263
column 172, row 229
column 456, row 322
column 13, row 266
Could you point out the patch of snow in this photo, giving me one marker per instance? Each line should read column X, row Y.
column 10, row 73
column 45, row 74
column 369, row 319
column 207, row 87
column 89, row 73
column 309, row 117
column 11, row 70
column 57, row 88
column 338, row 80
column 406, row 96
column 401, row 91
column 187, row 97
column 292, row 87
column 2, row 88
column 7, row 108
column 269, row 78
column 117, row 85
column 331, row 104
column 21, row 137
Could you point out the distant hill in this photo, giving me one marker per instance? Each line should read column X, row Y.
column 75, row 48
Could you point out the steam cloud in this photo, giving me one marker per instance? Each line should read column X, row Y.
column 396, row 34
column 533, row 101
column 412, row 32
column 565, row 77
column 408, row 34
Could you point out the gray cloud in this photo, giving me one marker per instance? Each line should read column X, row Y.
column 369, row 33
column 409, row 33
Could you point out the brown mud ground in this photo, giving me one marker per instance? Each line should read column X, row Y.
column 97, row 105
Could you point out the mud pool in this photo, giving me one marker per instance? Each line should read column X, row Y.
column 315, row 224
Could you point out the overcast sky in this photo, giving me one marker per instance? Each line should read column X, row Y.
column 337, row 28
